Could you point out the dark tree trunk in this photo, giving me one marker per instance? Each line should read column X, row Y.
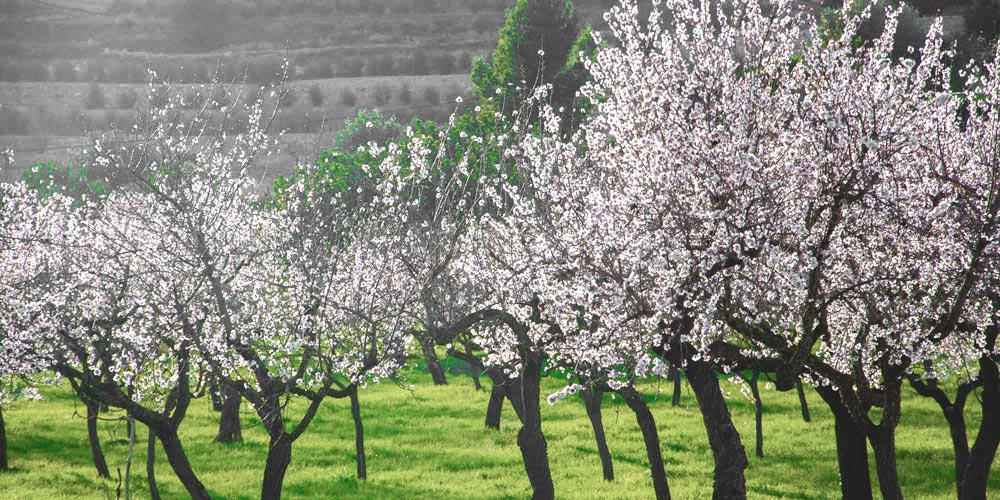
column 473, row 369
column 495, row 406
column 884, row 445
column 954, row 414
column 674, row 375
column 3, row 443
column 154, row 492
column 530, row 439
column 230, row 430
column 215, row 392
column 433, row 364
column 758, row 413
column 984, row 449
column 592, row 399
column 651, row 438
column 359, row 434
column 179, row 462
column 852, row 449
column 727, row 449
column 802, row 400
column 279, row 455
column 515, row 397
column 93, row 408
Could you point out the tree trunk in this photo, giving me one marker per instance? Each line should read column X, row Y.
column 727, row 449
column 852, row 449
column 674, row 375
column 495, row 406
column 884, row 445
column 473, row 369
column 592, row 399
column 530, row 439
column 230, row 430
column 214, row 392
column 802, row 400
column 179, row 462
column 359, row 434
column 279, row 455
column 3, row 443
column 154, row 492
column 984, row 449
column 758, row 413
column 651, row 438
column 433, row 364
column 130, row 424
column 93, row 408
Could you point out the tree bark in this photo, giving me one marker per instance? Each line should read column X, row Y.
column 230, row 430
column 592, row 399
column 531, row 441
column 852, row 449
column 954, row 414
column 984, row 449
column 433, row 363
column 215, row 392
column 179, row 462
column 758, row 413
column 884, row 445
column 93, row 408
column 495, row 406
column 674, row 375
column 651, row 438
column 359, row 434
column 279, row 455
column 3, row 444
column 473, row 369
column 802, row 401
column 154, row 492
column 727, row 449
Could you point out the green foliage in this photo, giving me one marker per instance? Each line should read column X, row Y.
column 47, row 179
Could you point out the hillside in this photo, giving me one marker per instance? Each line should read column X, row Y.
column 72, row 67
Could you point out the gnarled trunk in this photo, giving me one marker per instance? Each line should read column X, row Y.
column 650, row 437
column 154, row 492
column 93, row 408
column 179, row 463
column 592, row 399
column 433, row 363
column 359, row 434
column 727, row 449
column 852, row 449
column 531, row 441
column 230, row 430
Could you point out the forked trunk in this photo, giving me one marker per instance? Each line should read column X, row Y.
column 592, row 399
column 93, row 408
column 650, row 437
column 984, row 449
column 359, row 434
column 727, row 449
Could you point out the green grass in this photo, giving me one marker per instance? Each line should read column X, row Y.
column 430, row 442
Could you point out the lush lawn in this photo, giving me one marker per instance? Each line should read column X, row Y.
column 430, row 442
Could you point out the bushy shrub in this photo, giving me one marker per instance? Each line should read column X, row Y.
column 382, row 94
column 432, row 95
column 405, row 94
column 348, row 98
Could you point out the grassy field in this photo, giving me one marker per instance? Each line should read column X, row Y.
column 430, row 442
